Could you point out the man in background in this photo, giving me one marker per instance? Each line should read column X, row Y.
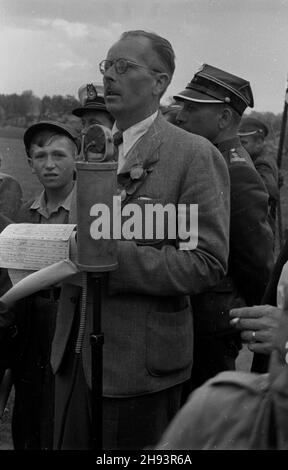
column 93, row 109
column 252, row 133
column 212, row 106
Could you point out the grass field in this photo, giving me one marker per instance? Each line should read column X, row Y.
column 14, row 162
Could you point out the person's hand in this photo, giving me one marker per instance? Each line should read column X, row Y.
column 258, row 326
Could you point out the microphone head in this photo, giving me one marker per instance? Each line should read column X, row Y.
column 97, row 144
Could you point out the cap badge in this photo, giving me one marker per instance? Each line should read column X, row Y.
column 200, row 68
column 91, row 92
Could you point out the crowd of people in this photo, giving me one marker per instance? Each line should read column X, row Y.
column 173, row 316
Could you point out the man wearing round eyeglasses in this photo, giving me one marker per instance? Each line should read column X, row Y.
column 146, row 317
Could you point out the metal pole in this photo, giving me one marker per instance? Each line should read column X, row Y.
column 279, row 163
column 96, row 341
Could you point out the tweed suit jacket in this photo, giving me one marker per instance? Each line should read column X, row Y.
column 146, row 317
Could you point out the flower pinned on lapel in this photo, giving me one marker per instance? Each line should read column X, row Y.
column 122, row 193
column 137, row 172
column 131, row 180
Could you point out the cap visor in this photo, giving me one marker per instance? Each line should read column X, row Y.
column 79, row 112
column 40, row 126
column 245, row 134
column 192, row 95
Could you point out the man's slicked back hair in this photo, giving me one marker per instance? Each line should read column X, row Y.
column 160, row 46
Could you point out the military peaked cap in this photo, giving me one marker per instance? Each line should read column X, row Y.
column 213, row 85
column 91, row 97
column 252, row 126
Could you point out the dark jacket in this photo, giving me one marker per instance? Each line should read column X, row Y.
column 266, row 166
column 10, row 196
column 251, row 247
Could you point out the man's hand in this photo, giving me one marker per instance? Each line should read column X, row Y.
column 258, row 326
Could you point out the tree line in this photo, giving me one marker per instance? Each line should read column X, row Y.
column 21, row 110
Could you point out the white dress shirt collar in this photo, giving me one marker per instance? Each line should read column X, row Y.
column 131, row 136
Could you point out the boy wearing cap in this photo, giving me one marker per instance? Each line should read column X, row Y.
column 252, row 133
column 93, row 109
column 51, row 148
column 212, row 106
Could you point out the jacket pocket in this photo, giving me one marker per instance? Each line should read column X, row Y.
column 169, row 342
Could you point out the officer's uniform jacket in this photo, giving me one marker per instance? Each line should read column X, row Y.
column 146, row 317
column 251, row 246
column 267, row 168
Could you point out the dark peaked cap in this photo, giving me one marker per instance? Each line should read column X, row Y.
column 252, row 126
column 212, row 85
column 55, row 126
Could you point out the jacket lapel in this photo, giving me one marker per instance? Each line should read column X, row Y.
column 140, row 160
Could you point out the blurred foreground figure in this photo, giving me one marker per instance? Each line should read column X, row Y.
column 252, row 133
column 238, row 410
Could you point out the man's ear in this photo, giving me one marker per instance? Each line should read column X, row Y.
column 259, row 144
column 162, row 81
column 225, row 118
column 30, row 163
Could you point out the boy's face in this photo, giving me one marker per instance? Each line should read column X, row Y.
column 54, row 162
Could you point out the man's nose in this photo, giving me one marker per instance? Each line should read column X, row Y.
column 109, row 74
column 50, row 163
column 180, row 118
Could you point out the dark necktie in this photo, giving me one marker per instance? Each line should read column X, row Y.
column 118, row 138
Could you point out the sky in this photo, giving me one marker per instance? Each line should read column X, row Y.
column 55, row 46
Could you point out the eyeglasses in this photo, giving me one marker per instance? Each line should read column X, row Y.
column 121, row 66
